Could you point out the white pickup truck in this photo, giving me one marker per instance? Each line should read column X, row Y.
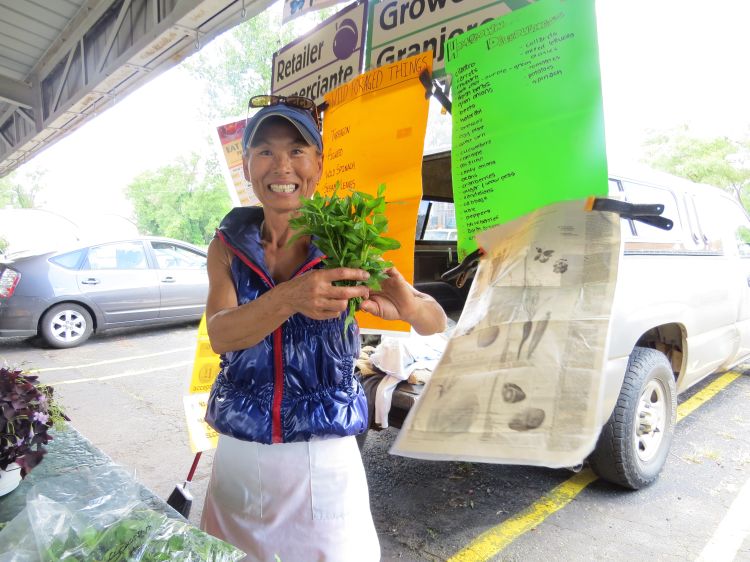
column 681, row 312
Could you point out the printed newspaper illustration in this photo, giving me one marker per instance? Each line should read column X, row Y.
column 520, row 379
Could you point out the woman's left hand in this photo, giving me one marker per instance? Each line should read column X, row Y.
column 398, row 300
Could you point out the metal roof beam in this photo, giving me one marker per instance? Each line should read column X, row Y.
column 113, row 33
column 26, row 117
column 90, row 13
column 168, row 39
column 16, row 92
column 5, row 115
column 175, row 31
column 6, row 138
column 63, row 78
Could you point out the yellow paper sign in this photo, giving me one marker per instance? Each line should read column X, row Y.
column 205, row 368
column 202, row 436
column 206, row 364
column 374, row 130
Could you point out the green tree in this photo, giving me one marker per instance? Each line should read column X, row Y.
column 237, row 65
column 720, row 161
column 21, row 193
column 183, row 200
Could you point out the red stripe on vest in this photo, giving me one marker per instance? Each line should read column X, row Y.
column 277, row 435
column 245, row 259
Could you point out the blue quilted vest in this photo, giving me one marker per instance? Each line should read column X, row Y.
column 298, row 383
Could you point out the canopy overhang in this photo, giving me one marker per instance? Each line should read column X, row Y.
column 63, row 61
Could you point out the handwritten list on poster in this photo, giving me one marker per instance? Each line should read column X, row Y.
column 373, row 132
column 528, row 125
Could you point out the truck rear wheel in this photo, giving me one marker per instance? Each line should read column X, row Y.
column 634, row 443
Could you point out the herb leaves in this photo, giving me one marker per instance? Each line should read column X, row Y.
column 349, row 231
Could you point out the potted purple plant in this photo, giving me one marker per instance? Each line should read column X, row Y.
column 27, row 412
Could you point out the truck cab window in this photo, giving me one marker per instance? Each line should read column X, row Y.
column 440, row 221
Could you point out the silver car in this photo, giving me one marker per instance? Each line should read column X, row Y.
column 66, row 296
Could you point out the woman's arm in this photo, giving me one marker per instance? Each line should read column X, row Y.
column 232, row 327
column 398, row 300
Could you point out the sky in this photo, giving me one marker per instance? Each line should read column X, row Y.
column 664, row 63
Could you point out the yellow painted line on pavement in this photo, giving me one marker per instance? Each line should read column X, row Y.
column 126, row 373
column 491, row 542
column 700, row 398
column 111, row 361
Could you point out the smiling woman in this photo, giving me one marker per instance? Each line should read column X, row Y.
column 286, row 401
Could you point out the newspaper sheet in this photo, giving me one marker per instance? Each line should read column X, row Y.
column 520, row 379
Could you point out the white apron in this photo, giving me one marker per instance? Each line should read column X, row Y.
column 302, row 502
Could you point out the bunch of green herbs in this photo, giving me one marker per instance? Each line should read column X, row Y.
column 143, row 535
column 349, row 231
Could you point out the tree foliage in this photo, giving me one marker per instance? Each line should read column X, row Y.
column 185, row 200
column 237, row 65
column 19, row 193
column 720, row 161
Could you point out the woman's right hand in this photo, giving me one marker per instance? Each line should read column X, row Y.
column 314, row 294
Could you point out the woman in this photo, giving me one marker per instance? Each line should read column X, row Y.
column 288, row 479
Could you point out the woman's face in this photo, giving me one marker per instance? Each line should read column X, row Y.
column 281, row 166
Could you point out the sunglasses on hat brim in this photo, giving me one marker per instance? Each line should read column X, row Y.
column 300, row 102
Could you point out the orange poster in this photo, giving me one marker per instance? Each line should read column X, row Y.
column 373, row 131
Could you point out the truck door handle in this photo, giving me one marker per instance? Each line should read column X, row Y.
column 90, row 281
column 168, row 279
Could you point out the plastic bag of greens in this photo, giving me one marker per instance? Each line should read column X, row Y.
column 98, row 514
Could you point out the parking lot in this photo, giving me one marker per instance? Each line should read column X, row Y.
column 123, row 391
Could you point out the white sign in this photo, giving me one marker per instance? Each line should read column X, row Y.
column 398, row 29
column 330, row 55
column 296, row 8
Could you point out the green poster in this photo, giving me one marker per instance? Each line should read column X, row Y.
column 528, row 124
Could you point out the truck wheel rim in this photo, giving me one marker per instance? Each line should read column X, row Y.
column 68, row 326
column 650, row 420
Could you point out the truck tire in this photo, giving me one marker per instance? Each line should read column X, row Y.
column 634, row 443
column 66, row 325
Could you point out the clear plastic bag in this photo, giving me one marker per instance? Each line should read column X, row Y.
column 97, row 514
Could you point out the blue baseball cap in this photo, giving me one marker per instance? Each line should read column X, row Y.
column 302, row 120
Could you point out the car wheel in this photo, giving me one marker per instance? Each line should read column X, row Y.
column 634, row 443
column 66, row 325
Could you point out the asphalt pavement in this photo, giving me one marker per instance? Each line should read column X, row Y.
column 123, row 391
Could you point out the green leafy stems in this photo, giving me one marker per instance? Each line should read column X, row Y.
column 349, row 231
